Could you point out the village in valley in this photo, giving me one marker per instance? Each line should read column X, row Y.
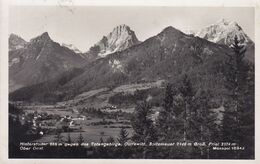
column 46, row 120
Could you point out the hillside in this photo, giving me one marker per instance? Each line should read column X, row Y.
column 40, row 60
column 166, row 56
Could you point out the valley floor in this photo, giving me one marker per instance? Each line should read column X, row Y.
column 71, row 122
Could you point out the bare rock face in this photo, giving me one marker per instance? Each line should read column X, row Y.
column 121, row 38
column 16, row 42
column 223, row 32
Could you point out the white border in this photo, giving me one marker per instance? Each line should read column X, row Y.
column 189, row 3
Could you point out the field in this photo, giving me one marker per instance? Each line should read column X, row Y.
column 90, row 114
column 89, row 133
column 91, row 127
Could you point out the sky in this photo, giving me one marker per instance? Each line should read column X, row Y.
column 85, row 26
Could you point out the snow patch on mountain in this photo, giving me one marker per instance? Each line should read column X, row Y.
column 189, row 32
column 207, row 51
column 161, row 38
column 38, row 57
column 223, row 32
column 105, row 53
column 14, row 61
column 71, row 47
column 174, row 48
column 116, row 65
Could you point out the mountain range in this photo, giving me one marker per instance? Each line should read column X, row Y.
column 120, row 59
column 38, row 60
column 42, row 59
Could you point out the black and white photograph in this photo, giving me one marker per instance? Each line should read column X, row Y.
column 131, row 82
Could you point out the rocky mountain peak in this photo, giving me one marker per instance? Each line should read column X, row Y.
column 119, row 39
column 44, row 37
column 225, row 21
column 15, row 37
column 223, row 32
column 121, row 28
column 170, row 30
column 229, row 24
column 16, row 42
column 121, row 31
